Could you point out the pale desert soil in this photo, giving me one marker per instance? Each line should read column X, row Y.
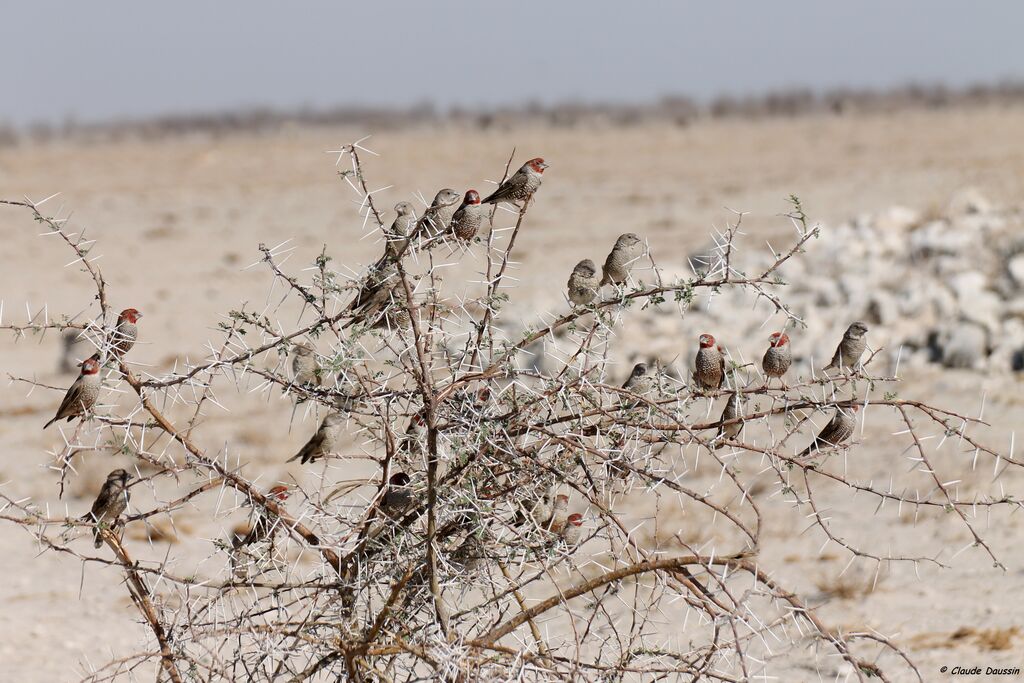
column 179, row 219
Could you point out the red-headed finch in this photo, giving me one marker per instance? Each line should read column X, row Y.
column 468, row 217
column 125, row 333
column 777, row 358
column 709, row 365
column 264, row 522
column 521, row 185
column 573, row 530
column 559, row 513
column 82, row 395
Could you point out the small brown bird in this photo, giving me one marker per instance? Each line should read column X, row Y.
column 640, row 381
column 125, row 333
column 82, row 395
column 522, row 185
column 559, row 514
column 730, row 412
column 709, row 365
column 109, row 504
column 850, row 349
column 468, row 217
column 777, row 358
column 838, row 430
column 376, row 287
column 401, row 229
column 305, row 369
column 627, row 250
column 438, row 216
column 538, row 510
column 583, row 283
column 573, row 530
column 397, row 496
column 264, row 523
column 325, row 441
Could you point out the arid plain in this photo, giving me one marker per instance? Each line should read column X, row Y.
column 178, row 220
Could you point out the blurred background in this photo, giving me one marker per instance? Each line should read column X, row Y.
column 182, row 136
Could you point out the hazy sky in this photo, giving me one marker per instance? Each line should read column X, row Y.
column 94, row 60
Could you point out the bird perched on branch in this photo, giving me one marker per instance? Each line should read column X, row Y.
column 583, row 283
column 397, row 495
column 468, row 217
column 109, row 504
column 777, row 358
column 81, row 396
column 628, row 248
column 709, row 364
column 640, row 381
column 438, row 215
column 850, row 349
column 401, row 229
column 376, row 285
column 573, row 530
column 305, row 369
column 836, row 432
column 325, row 441
column 538, row 510
column 521, row 185
column 559, row 514
column 264, row 522
column 125, row 333
column 730, row 412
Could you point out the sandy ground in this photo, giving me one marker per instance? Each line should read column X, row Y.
column 179, row 219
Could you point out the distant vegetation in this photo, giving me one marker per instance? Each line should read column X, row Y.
column 679, row 110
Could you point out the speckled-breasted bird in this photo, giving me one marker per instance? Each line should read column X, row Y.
column 82, row 395
column 583, row 283
column 397, row 495
column 730, row 412
column 264, row 523
column 468, row 217
column 709, row 364
column 401, row 229
column 125, row 333
column 305, row 369
column 627, row 250
column 109, row 504
column 851, row 348
column 325, row 441
column 522, row 185
column 438, row 216
column 573, row 530
column 640, row 381
column 777, row 358
column 836, row 432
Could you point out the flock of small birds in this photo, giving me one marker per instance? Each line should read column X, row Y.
column 382, row 303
